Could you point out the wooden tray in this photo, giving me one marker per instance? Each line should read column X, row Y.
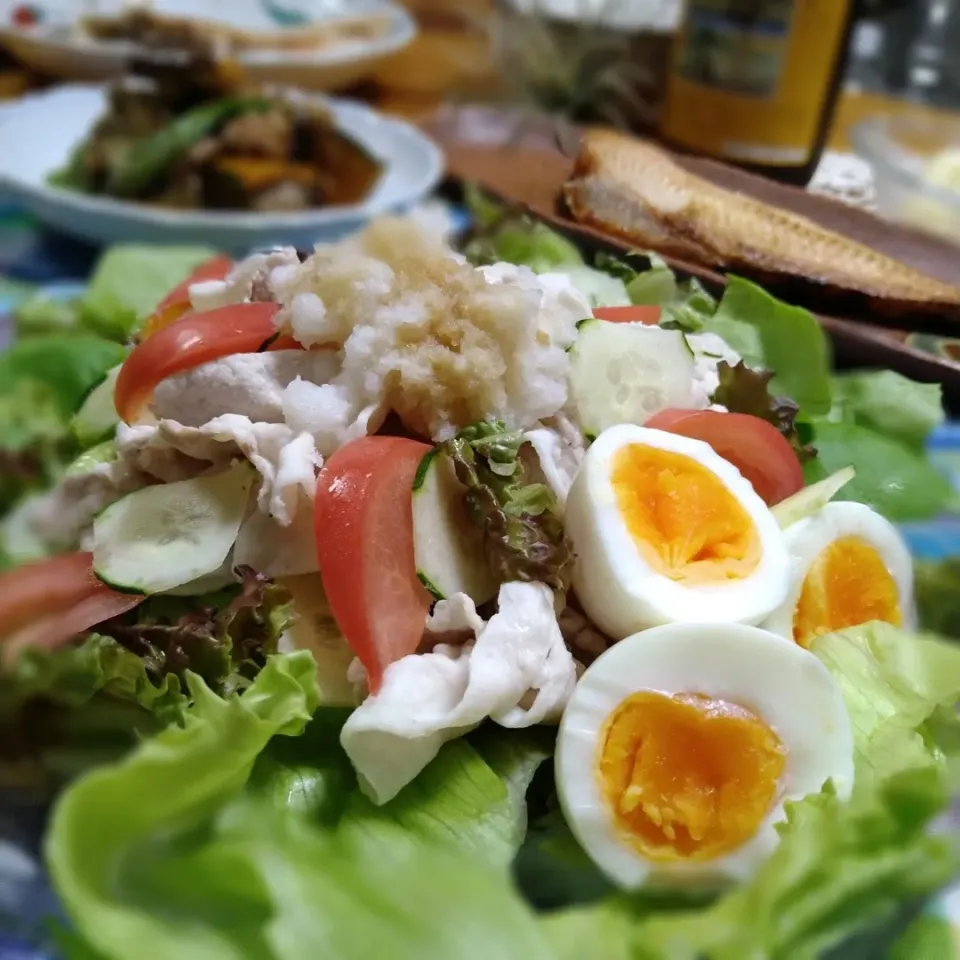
column 518, row 158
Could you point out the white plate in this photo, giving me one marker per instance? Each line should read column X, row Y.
column 52, row 47
column 38, row 137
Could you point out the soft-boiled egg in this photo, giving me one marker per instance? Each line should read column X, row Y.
column 849, row 566
column 681, row 744
column 665, row 530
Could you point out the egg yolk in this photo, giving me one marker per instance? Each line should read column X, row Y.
column 687, row 777
column 847, row 584
column 685, row 522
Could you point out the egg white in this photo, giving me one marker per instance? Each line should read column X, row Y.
column 808, row 538
column 618, row 588
column 781, row 683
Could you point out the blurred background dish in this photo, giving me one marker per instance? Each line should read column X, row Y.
column 411, row 167
column 916, row 167
column 185, row 129
column 316, row 44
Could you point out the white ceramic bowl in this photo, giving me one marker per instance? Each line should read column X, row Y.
column 53, row 46
column 38, row 137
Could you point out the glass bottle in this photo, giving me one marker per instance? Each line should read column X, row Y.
column 755, row 82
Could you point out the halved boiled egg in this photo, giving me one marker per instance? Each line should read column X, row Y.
column 681, row 744
column 665, row 530
column 849, row 566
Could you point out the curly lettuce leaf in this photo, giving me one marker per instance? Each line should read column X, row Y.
column 472, row 796
column 246, row 844
column 223, row 638
column 128, row 676
column 98, row 847
column 743, row 390
column 72, row 676
column 522, row 532
column 290, row 866
column 893, row 683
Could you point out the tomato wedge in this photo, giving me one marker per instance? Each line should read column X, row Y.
column 176, row 303
column 48, row 603
column 191, row 341
column 667, row 419
column 364, row 530
column 648, row 315
column 756, row 448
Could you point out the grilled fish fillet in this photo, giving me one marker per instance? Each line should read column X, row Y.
column 635, row 190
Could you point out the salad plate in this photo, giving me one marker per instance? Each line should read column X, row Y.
column 412, row 166
column 396, row 574
column 305, row 49
column 524, row 159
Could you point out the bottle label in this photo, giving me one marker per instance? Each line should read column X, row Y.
column 752, row 77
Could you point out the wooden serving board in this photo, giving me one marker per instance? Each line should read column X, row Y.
column 524, row 159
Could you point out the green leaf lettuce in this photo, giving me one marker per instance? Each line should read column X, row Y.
column 772, row 335
column 128, row 283
column 889, row 403
column 173, row 780
column 893, row 683
column 73, row 675
column 840, row 868
column 245, row 844
column 897, row 481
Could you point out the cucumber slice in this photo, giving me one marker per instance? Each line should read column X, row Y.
column 98, row 415
column 162, row 537
column 447, row 547
column 208, row 583
column 627, row 372
column 600, row 289
column 806, row 502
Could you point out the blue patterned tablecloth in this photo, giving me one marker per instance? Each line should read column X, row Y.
column 59, row 266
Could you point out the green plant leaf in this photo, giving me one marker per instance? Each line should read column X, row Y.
column 895, row 480
column 773, row 335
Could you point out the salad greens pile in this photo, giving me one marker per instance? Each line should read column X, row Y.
column 249, row 838
column 228, row 823
column 140, row 657
column 876, row 421
column 62, row 351
column 98, row 694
